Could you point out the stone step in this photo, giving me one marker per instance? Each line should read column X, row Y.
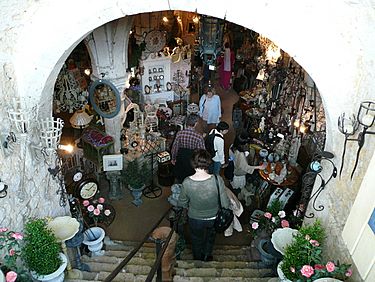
column 217, row 264
column 122, row 277
column 224, row 272
column 219, row 257
column 116, row 260
column 178, row 278
column 109, row 267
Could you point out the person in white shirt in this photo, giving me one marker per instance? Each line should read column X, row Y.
column 219, row 159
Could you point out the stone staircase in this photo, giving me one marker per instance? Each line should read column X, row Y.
column 231, row 263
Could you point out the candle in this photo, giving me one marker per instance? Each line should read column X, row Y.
column 368, row 120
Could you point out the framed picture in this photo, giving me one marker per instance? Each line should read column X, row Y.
column 112, row 162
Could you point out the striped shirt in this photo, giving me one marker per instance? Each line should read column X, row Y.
column 188, row 139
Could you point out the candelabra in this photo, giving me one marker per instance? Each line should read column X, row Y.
column 349, row 126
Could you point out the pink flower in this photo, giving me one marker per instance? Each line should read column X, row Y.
column 99, row 206
column 96, row 211
column 292, row 269
column 90, row 208
column 284, row 223
column 268, row 215
column 281, row 214
column 349, row 272
column 255, row 225
column 17, row 236
column 12, row 252
column 11, row 276
column 101, row 200
column 107, row 212
column 330, row 266
column 319, row 267
column 314, row 243
column 3, row 229
column 85, row 203
column 307, row 271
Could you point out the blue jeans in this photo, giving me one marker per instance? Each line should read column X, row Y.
column 203, row 235
column 215, row 168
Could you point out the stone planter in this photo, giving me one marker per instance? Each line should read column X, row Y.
column 93, row 239
column 2, row 277
column 327, row 279
column 266, row 255
column 57, row 276
column 282, row 277
column 137, row 195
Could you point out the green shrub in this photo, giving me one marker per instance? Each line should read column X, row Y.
column 41, row 249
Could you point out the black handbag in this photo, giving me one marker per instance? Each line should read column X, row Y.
column 224, row 217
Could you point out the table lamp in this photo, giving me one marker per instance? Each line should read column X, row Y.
column 80, row 120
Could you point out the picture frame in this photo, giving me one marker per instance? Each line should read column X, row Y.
column 113, row 162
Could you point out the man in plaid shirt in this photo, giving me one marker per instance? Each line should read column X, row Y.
column 185, row 143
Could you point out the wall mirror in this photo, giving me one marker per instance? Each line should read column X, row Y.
column 105, row 98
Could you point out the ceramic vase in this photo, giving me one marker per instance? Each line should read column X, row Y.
column 93, row 238
column 57, row 276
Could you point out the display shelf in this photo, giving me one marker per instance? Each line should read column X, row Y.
column 156, row 79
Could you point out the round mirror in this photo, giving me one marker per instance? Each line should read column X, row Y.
column 105, row 98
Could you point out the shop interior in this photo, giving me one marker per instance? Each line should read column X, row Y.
column 172, row 58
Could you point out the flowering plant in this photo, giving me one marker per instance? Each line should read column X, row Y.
column 272, row 219
column 96, row 209
column 10, row 250
column 303, row 258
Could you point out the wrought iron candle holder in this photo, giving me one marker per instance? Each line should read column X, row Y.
column 349, row 126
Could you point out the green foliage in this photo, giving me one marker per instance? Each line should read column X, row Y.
column 306, row 251
column 41, row 249
column 137, row 174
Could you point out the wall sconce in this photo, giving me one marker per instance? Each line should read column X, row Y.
column 349, row 126
column 308, row 180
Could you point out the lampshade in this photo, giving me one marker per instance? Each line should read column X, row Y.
column 80, row 119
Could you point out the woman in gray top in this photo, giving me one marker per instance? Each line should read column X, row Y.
column 199, row 195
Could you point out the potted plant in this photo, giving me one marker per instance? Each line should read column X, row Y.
column 302, row 259
column 11, row 268
column 41, row 251
column 136, row 175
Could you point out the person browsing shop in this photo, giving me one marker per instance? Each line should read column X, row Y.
column 218, row 145
column 210, row 109
column 199, row 195
column 185, row 142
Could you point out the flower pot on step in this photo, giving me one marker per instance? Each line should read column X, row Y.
column 57, row 276
column 93, row 239
column 137, row 195
column 280, row 273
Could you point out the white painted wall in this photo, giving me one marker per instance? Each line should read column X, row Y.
column 333, row 40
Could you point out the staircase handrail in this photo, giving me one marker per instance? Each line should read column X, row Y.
column 157, row 262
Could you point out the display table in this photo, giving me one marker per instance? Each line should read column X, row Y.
column 290, row 180
column 96, row 144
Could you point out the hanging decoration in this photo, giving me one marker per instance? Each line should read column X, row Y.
column 70, row 91
column 211, row 36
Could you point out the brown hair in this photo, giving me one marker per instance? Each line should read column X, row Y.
column 201, row 159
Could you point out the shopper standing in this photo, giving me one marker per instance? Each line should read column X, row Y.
column 200, row 196
column 210, row 109
column 185, row 142
column 219, row 159
column 226, row 63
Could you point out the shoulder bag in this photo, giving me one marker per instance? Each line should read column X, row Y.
column 224, row 217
